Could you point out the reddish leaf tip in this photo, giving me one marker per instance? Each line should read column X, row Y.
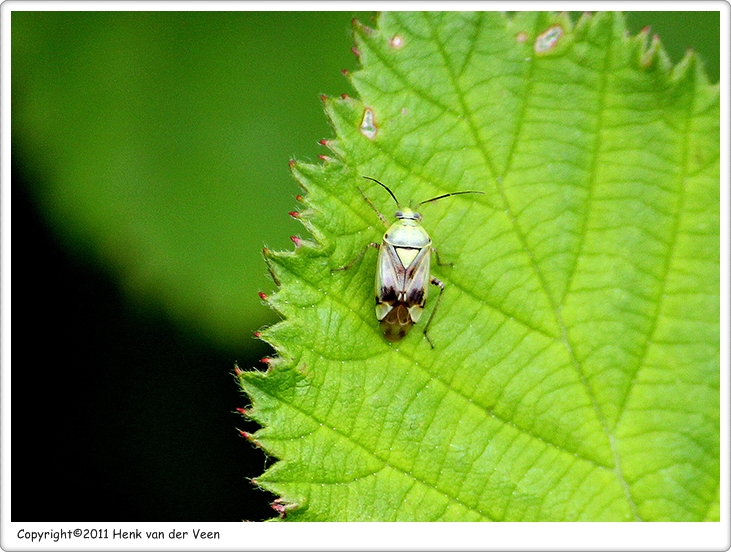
column 280, row 507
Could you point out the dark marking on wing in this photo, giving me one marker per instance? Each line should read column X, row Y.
column 415, row 296
column 388, row 295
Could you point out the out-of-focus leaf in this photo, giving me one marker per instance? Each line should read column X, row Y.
column 162, row 139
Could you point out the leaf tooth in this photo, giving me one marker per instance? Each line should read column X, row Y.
column 648, row 51
column 285, row 506
column 687, row 68
column 362, row 29
column 653, row 56
column 333, row 144
column 642, row 40
column 305, row 173
column 279, row 507
column 700, row 69
column 267, row 360
column 306, row 218
column 582, row 24
column 249, row 437
column 294, row 169
column 600, row 25
column 337, row 107
column 362, row 35
column 282, row 337
column 348, row 117
column 269, row 256
column 335, row 147
column 262, row 334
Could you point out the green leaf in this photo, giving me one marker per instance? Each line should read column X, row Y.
column 575, row 374
column 158, row 142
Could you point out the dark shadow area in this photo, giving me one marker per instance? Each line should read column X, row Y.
column 117, row 414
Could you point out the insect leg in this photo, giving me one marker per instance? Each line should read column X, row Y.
column 380, row 216
column 440, row 285
column 358, row 257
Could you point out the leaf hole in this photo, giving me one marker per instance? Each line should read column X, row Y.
column 396, row 42
column 368, row 126
column 548, row 39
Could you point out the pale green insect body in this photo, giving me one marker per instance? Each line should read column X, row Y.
column 402, row 276
column 403, row 270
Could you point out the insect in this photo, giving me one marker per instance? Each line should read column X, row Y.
column 402, row 276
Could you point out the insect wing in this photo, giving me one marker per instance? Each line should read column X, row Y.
column 393, row 314
column 417, row 283
column 389, row 277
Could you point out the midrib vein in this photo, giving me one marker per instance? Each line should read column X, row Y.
column 467, row 114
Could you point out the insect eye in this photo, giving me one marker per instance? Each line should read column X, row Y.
column 399, row 214
column 417, row 216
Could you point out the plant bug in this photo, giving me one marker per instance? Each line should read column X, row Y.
column 402, row 276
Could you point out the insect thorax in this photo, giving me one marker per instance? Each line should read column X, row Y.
column 407, row 233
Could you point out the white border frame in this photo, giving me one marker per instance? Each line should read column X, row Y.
column 368, row 536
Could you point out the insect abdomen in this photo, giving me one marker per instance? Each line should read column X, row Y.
column 397, row 323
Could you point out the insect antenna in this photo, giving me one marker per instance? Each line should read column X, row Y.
column 387, row 189
column 447, row 195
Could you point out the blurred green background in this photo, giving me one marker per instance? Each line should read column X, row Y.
column 150, row 166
